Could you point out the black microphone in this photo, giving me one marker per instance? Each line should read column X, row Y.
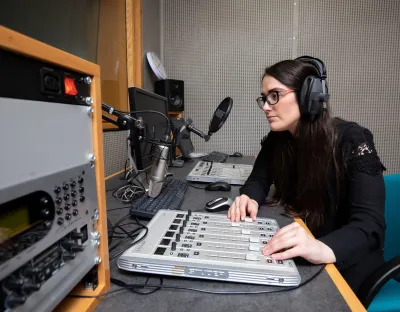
column 193, row 129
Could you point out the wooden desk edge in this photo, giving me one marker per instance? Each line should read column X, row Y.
column 340, row 283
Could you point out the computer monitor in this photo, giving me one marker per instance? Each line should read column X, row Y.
column 155, row 125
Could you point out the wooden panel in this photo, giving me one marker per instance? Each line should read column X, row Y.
column 347, row 293
column 112, row 55
column 21, row 44
column 134, row 42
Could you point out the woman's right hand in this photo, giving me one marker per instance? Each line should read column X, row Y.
column 242, row 205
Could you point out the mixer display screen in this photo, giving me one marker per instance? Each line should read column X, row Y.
column 13, row 222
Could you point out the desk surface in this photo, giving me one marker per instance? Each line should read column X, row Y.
column 320, row 294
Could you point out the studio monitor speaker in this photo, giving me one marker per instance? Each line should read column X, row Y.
column 173, row 90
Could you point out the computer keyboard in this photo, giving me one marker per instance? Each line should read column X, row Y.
column 216, row 157
column 170, row 197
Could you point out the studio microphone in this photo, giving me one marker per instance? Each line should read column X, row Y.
column 158, row 172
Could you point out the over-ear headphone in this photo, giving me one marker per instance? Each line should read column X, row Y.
column 313, row 95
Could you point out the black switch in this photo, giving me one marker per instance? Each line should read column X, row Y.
column 51, row 83
column 173, row 247
column 178, row 237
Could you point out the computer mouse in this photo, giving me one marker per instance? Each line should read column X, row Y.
column 237, row 154
column 219, row 204
column 218, row 186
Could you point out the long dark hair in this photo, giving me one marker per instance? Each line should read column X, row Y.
column 303, row 163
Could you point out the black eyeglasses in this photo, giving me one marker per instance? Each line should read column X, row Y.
column 272, row 97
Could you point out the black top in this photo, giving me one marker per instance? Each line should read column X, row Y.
column 355, row 228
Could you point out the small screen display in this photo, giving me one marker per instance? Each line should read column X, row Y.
column 13, row 222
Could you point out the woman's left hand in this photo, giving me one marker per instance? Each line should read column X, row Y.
column 293, row 241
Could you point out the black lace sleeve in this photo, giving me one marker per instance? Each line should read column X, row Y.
column 359, row 151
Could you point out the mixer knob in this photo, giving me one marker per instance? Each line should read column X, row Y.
column 81, row 189
column 184, row 223
column 77, row 248
column 189, row 213
column 75, row 212
column 178, row 237
column 73, row 183
column 14, row 283
column 66, row 256
column 73, row 193
column 29, row 287
column 14, row 300
column 80, row 180
column 30, row 272
column 58, row 200
column 67, row 206
column 187, row 217
column 181, row 230
column 59, row 210
column 60, row 221
column 66, row 186
column 57, row 189
column 76, row 235
column 66, row 196
column 82, row 199
column 173, row 247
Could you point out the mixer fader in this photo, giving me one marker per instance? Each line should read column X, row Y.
column 205, row 245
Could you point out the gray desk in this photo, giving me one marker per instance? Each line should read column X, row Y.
column 320, row 294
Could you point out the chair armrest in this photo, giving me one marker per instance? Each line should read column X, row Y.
column 374, row 282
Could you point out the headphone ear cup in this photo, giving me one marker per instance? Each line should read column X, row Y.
column 304, row 96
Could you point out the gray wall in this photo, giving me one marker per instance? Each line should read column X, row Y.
column 220, row 48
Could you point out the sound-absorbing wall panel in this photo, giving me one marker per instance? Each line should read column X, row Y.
column 220, row 48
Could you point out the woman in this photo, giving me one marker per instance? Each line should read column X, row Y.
column 325, row 170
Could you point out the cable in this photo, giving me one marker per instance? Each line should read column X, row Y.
column 196, row 187
column 162, row 286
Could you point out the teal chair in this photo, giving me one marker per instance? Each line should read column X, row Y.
column 381, row 291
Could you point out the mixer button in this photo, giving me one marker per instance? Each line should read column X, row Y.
column 254, row 247
column 245, row 232
column 235, row 224
column 252, row 257
column 173, row 247
column 253, row 239
column 196, row 253
column 247, row 219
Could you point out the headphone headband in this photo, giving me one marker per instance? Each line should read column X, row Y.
column 317, row 63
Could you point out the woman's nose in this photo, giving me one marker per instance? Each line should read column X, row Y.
column 266, row 107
